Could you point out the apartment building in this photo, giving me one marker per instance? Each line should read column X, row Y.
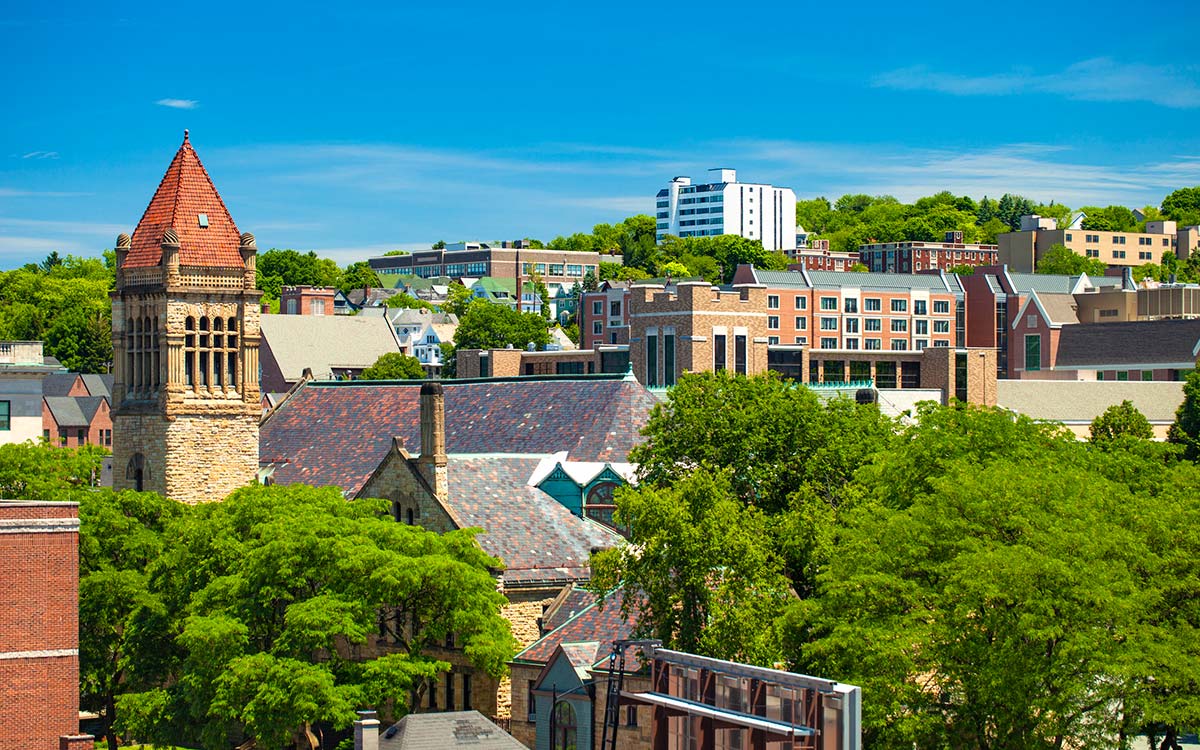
column 480, row 259
column 909, row 257
column 868, row 311
column 604, row 315
column 755, row 211
column 819, row 257
column 1022, row 250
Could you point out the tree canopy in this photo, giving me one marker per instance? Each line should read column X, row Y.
column 1059, row 259
column 486, row 325
column 394, row 366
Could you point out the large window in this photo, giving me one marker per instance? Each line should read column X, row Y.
column 1033, row 352
column 5, row 415
column 829, row 303
column 564, row 735
column 718, row 351
column 669, row 359
column 899, row 305
column 652, row 360
column 739, row 354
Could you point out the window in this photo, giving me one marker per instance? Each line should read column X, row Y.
column 922, row 327
column 801, row 324
column 773, row 322
column 941, row 326
column 318, row 307
column 597, row 327
column 899, row 305
column 872, row 304
column 772, row 301
column 556, row 269
column 565, row 734
column 1033, row 352
column 466, row 680
column 875, row 344
column 829, row 324
column 851, row 343
column 530, row 703
column 652, row 360
column 574, row 270
column 631, row 716
column 850, row 325
column 801, row 303
column 850, row 305
column 5, row 415
column 829, row 303
column 772, row 340
column 598, row 307
column 614, row 309
column 668, row 359
column 920, row 307
column 1147, row 374
column 291, row 306
column 1118, row 253
column 1122, row 375
column 829, row 343
column 873, row 324
column 803, row 340
column 739, row 354
column 899, row 345
column 900, row 325
column 718, row 351
column 450, row 690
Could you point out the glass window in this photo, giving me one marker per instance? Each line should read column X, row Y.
column 829, row 303
column 773, row 322
column 850, row 325
column 652, row 361
column 801, row 324
column 850, row 305
column 719, row 351
column 739, row 354
column 801, row 303
column 668, row 359
column 899, row 325
column 899, row 305
column 922, row 327
column 872, row 304
column 772, row 301
column 6, row 414
column 899, row 345
column 614, row 309
column 597, row 327
column 829, row 343
column 872, row 343
column 941, row 326
column 873, row 324
column 565, row 727
column 829, row 324
column 920, row 307
column 1033, row 352
column 598, row 307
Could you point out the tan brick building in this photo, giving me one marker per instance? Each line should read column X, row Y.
column 1022, row 250
column 185, row 344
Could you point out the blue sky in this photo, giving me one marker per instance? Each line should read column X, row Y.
column 354, row 128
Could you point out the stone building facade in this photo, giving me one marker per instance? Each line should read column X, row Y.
column 185, row 344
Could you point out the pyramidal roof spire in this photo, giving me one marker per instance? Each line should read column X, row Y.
column 188, row 203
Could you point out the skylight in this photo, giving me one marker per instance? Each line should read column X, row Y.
column 203, row 220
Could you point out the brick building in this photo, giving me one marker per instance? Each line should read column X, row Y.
column 1022, row 250
column 910, row 257
column 186, row 313
column 39, row 626
column 478, row 259
column 306, row 300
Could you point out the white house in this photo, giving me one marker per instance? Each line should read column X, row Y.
column 22, row 369
column 421, row 333
column 725, row 206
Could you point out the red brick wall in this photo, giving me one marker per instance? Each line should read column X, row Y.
column 39, row 695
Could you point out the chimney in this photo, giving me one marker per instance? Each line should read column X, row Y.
column 433, row 439
column 366, row 731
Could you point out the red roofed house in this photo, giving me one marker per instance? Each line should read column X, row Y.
column 185, row 344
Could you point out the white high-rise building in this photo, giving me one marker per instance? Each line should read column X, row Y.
column 726, row 206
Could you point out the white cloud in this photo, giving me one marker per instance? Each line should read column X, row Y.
column 64, row 227
column 178, row 103
column 40, row 155
column 1099, row 79
column 17, row 193
column 25, row 249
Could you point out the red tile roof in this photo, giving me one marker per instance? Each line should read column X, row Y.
column 186, row 191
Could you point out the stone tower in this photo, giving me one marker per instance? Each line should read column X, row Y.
column 185, row 344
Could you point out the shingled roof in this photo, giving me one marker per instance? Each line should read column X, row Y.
column 602, row 624
column 337, row 433
column 1136, row 343
column 534, row 535
column 186, row 192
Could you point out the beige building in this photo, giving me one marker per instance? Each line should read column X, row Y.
column 185, row 344
column 1022, row 250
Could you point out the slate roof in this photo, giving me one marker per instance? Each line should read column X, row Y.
column 98, row 385
column 74, row 411
column 447, row 730
column 1133, row 343
column 570, row 601
column 535, row 536
column 186, row 191
column 1081, row 401
column 325, row 342
column 1060, row 308
column 58, row 384
column 336, row 434
column 594, row 624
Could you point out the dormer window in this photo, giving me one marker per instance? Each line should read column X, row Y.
column 203, row 218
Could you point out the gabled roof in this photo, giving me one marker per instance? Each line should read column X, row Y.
column 595, row 623
column 1055, row 309
column 466, row 729
column 1172, row 343
column 570, row 601
column 59, row 383
column 186, row 192
column 532, row 533
column 74, row 411
column 98, row 385
column 336, row 434
column 326, row 342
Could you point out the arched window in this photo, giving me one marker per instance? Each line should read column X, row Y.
column 563, row 737
column 189, row 353
column 137, row 471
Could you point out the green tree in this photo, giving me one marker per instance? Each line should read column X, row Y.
column 439, row 245
column 394, row 366
column 999, row 610
column 272, row 593
column 1185, row 432
column 859, row 268
column 590, row 282
column 294, row 268
column 39, row 471
column 674, row 269
column 991, row 229
column 358, row 276
column 491, row 326
column 700, row 573
column 961, row 270
column 1183, row 205
column 458, row 298
column 1120, row 420
column 391, row 253
column 81, row 340
column 1060, row 259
